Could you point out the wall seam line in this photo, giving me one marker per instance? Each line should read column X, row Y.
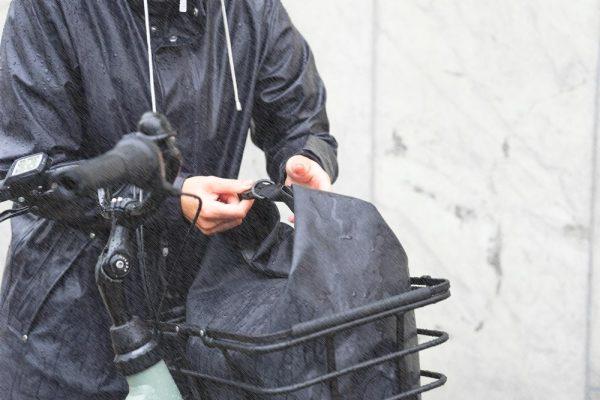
column 592, row 231
column 374, row 91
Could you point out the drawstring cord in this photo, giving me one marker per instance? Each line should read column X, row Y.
column 150, row 58
column 183, row 8
column 140, row 230
column 238, row 105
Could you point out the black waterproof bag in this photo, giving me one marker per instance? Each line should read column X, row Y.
column 316, row 312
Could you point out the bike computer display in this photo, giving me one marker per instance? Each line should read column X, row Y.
column 27, row 166
column 25, row 171
column 23, row 174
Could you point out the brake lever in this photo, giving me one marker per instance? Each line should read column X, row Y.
column 265, row 189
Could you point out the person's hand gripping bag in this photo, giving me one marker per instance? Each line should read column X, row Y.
column 265, row 277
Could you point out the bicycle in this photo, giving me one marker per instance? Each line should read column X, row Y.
column 150, row 160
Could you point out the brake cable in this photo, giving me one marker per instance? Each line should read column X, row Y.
column 179, row 255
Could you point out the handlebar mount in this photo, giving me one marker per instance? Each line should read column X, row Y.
column 150, row 160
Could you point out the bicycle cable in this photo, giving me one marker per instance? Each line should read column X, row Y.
column 179, row 255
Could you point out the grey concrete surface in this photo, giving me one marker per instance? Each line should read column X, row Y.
column 473, row 126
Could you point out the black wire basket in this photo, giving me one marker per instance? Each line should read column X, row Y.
column 424, row 291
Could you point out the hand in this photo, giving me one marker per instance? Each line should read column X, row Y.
column 221, row 207
column 303, row 171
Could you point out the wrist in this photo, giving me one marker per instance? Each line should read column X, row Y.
column 180, row 180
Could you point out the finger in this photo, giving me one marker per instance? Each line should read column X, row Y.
column 299, row 169
column 322, row 182
column 230, row 198
column 319, row 181
column 216, row 210
column 211, row 224
column 292, row 218
column 225, row 186
column 246, row 206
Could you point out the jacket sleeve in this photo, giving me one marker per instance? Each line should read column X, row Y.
column 42, row 101
column 41, row 97
column 289, row 115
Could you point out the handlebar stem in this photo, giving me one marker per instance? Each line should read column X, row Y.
column 134, row 343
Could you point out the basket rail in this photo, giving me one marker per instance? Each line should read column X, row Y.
column 439, row 338
column 424, row 291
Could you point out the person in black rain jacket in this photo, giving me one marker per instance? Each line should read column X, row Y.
column 74, row 79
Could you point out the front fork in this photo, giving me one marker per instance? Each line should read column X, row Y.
column 137, row 354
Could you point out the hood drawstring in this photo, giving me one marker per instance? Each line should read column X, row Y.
column 183, row 8
column 238, row 105
column 150, row 57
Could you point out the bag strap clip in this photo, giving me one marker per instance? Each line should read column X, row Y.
column 265, row 189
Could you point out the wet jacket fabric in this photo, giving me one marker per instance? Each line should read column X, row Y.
column 341, row 255
column 73, row 80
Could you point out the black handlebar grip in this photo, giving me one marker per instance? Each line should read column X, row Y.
column 134, row 160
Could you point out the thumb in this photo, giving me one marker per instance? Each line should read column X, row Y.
column 298, row 168
column 226, row 186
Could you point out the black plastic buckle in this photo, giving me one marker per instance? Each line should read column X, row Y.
column 265, row 189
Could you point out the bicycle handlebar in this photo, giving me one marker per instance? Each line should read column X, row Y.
column 136, row 160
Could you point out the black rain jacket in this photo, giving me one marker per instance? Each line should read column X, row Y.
column 73, row 80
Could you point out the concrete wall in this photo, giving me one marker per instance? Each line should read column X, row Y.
column 472, row 125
